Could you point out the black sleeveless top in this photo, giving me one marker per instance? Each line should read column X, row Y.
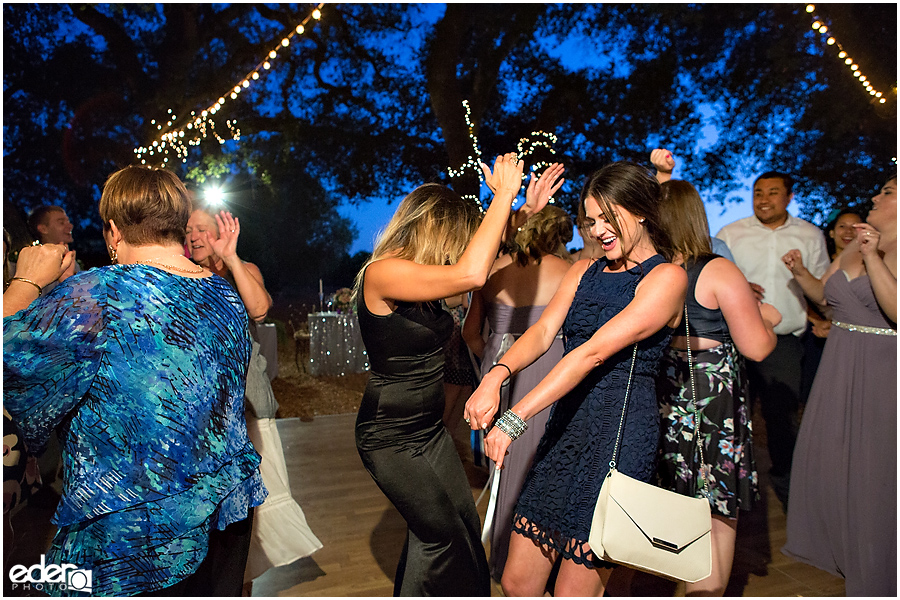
column 703, row 322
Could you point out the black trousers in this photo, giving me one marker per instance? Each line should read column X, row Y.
column 776, row 382
column 222, row 571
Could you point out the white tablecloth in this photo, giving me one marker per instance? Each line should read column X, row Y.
column 335, row 345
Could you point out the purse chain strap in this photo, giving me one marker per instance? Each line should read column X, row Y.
column 696, row 433
column 612, row 462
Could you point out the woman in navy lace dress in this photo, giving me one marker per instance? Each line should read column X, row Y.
column 142, row 365
column 604, row 307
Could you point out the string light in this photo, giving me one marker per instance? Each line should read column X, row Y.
column 473, row 161
column 199, row 127
column 822, row 28
column 537, row 139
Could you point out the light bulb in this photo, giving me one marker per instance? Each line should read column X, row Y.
column 810, row 8
column 300, row 29
column 245, row 83
column 823, row 29
column 849, row 61
column 881, row 101
column 233, row 95
column 830, row 41
column 317, row 14
column 285, row 42
column 255, row 75
column 272, row 54
column 266, row 65
column 816, row 25
column 854, row 67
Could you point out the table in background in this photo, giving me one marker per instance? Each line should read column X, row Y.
column 335, row 345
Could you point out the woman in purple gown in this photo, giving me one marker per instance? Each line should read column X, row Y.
column 842, row 516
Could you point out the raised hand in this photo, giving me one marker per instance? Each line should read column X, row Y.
column 507, row 175
column 541, row 189
column 793, row 260
column 225, row 246
column 867, row 237
column 662, row 160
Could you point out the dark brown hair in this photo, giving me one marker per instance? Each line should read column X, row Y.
column 635, row 189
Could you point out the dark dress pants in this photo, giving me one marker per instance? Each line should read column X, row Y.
column 776, row 382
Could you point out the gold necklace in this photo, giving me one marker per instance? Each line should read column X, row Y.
column 154, row 261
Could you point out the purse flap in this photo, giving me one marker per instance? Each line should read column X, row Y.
column 668, row 520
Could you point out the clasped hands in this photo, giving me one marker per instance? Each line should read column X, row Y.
column 45, row 263
column 481, row 408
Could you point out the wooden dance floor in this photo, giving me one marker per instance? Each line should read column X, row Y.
column 362, row 534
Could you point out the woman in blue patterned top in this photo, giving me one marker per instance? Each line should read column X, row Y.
column 142, row 366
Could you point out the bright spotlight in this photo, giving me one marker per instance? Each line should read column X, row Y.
column 215, row 196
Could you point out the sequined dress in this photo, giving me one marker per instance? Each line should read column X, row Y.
column 557, row 501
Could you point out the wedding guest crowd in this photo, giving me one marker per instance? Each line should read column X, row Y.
column 150, row 372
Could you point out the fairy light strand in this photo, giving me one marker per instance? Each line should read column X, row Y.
column 473, row 161
column 819, row 25
column 202, row 125
column 527, row 146
column 524, row 148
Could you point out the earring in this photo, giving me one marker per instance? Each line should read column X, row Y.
column 113, row 255
column 641, row 220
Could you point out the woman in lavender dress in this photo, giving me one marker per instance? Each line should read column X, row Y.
column 520, row 286
column 842, row 517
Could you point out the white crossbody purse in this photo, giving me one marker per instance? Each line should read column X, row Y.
column 647, row 527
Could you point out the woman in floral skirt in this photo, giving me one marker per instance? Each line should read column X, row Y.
column 725, row 320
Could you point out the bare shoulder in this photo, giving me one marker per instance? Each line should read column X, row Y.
column 664, row 278
column 722, row 269
column 667, row 273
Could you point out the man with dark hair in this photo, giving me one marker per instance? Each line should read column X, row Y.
column 50, row 225
column 758, row 243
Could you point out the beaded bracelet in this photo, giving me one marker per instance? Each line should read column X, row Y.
column 39, row 288
column 511, row 424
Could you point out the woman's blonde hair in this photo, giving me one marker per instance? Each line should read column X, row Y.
column 432, row 226
column 148, row 205
column 545, row 233
column 681, row 209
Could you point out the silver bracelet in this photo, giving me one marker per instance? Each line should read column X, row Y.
column 511, row 424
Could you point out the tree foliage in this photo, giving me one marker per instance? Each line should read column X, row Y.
column 368, row 102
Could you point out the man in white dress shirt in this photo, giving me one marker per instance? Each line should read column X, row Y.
column 758, row 243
